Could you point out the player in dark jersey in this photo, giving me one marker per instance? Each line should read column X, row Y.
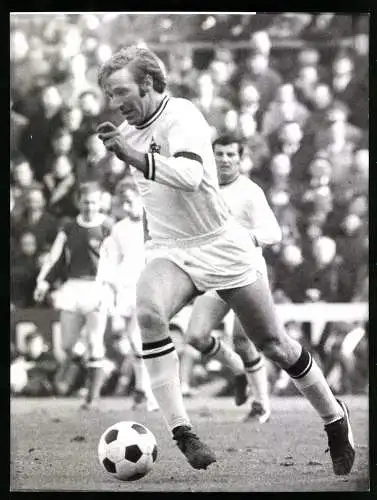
column 81, row 301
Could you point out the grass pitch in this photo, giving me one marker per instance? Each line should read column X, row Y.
column 54, row 448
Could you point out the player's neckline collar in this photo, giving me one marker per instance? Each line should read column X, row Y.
column 95, row 222
column 153, row 117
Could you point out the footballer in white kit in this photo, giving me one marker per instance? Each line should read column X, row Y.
column 196, row 245
column 122, row 259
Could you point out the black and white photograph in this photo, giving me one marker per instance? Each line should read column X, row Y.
column 189, row 252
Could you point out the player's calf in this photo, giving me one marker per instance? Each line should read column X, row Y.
column 214, row 348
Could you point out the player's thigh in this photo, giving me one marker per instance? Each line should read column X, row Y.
column 71, row 324
column 242, row 343
column 207, row 313
column 254, row 306
column 163, row 289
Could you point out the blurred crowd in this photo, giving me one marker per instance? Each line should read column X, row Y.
column 300, row 109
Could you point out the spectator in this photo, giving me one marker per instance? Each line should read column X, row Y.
column 321, row 100
column 221, row 69
column 289, row 24
column 18, row 124
column 351, row 89
column 322, row 272
column 260, row 42
column 38, row 132
column 256, row 146
column 60, row 187
column 285, row 212
column 69, row 119
column 337, row 126
column 40, row 366
column 356, row 183
column 280, row 168
column 317, row 204
column 305, row 85
column 114, row 172
column 76, row 82
column 37, row 221
column 182, row 70
column 22, row 73
column 92, row 166
column 22, row 181
column 91, row 106
column 288, row 274
column 352, row 242
column 319, row 172
column 24, row 272
column 61, row 142
column 266, row 79
column 284, row 107
column 213, row 107
column 289, row 140
column 249, row 102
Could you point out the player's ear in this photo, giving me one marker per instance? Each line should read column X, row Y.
column 146, row 86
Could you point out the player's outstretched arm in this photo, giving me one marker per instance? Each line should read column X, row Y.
column 52, row 259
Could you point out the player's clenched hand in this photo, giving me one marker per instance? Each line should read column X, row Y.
column 41, row 290
column 113, row 140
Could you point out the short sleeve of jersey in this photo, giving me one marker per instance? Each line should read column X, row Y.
column 66, row 226
column 186, row 130
column 107, row 225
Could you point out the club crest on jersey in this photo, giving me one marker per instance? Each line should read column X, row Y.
column 154, row 147
column 95, row 243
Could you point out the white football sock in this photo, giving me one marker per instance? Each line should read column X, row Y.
column 162, row 363
column 256, row 373
column 226, row 355
column 310, row 381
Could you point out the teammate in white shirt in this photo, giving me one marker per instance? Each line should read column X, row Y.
column 249, row 206
column 197, row 246
column 122, row 259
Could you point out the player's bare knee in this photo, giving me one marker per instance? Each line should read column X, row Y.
column 272, row 348
column 151, row 320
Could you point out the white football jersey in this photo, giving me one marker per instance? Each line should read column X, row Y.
column 181, row 193
column 249, row 206
column 122, row 256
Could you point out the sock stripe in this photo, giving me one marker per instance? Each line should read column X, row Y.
column 213, row 348
column 159, row 353
column 216, row 347
column 254, row 366
column 306, row 371
column 302, row 365
column 95, row 362
column 159, row 343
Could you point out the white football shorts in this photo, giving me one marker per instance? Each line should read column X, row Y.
column 228, row 260
column 78, row 295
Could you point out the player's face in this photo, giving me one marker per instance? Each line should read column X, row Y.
column 124, row 95
column 90, row 204
column 227, row 161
